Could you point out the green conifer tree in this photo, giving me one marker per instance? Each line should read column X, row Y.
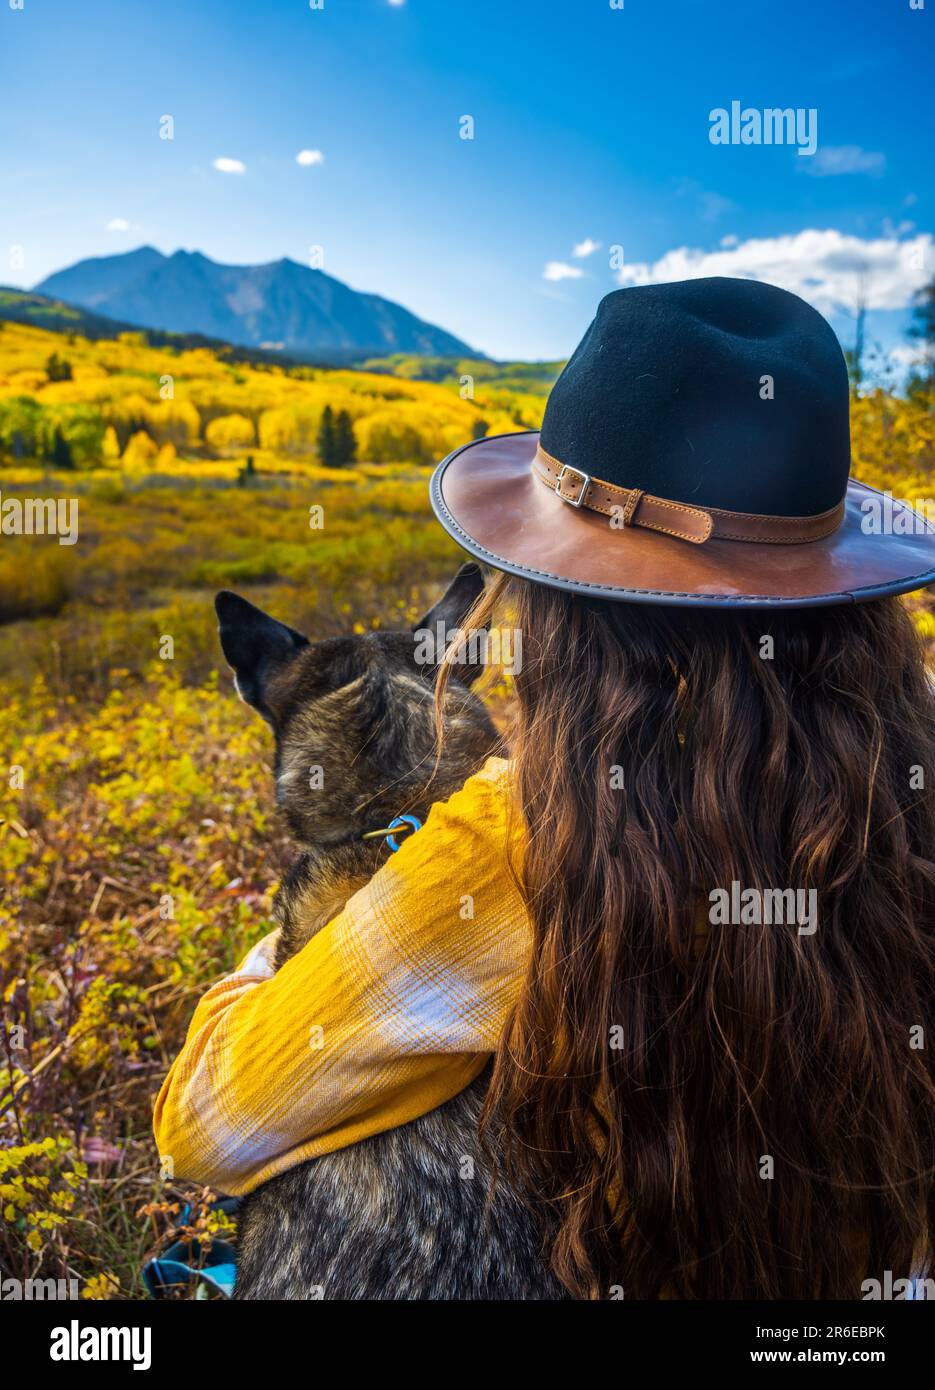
column 326, row 438
column 345, row 443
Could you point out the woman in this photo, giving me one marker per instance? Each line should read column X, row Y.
column 702, row 952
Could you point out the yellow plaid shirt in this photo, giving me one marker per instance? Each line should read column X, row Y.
column 387, row 1013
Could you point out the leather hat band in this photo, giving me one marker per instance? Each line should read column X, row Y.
column 696, row 524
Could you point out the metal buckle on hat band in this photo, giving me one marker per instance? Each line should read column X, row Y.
column 585, row 484
column 680, row 519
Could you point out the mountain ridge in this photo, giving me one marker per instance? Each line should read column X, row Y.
column 280, row 302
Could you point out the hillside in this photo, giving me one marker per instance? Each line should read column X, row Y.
column 281, row 305
column 44, row 311
column 25, row 306
column 101, row 395
column 533, row 377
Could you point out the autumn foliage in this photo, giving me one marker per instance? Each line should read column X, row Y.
column 139, row 849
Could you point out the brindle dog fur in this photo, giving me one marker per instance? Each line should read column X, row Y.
column 391, row 1217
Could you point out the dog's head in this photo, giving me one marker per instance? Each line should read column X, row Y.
column 353, row 717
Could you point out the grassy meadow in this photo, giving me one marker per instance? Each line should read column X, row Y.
column 139, row 851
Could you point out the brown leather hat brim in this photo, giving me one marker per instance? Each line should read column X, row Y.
column 487, row 497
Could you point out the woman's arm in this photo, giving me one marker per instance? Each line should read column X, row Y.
column 388, row 1012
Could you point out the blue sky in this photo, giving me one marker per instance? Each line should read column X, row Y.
column 591, row 125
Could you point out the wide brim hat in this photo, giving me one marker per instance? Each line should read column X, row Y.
column 696, row 451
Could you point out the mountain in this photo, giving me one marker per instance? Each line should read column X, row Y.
column 90, row 283
column 282, row 304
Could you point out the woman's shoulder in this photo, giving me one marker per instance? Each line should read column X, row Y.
column 493, row 778
column 446, row 910
column 482, row 808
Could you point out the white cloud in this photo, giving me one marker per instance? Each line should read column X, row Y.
column 844, row 159
column 309, row 157
column 891, row 229
column 118, row 224
column 824, row 267
column 730, row 240
column 910, row 354
column 558, row 270
column 229, row 166
column 586, row 247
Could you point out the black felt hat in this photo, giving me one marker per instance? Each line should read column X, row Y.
column 695, row 449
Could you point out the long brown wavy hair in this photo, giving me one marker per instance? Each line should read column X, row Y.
column 722, row 1111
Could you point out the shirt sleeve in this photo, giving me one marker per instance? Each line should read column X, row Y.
column 392, row 1009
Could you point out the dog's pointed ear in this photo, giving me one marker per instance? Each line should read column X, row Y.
column 457, row 600
column 256, row 646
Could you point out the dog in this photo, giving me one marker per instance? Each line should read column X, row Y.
column 390, row 1217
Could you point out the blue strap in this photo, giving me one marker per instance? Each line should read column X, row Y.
column 162, row 1275
column 166, row 1272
